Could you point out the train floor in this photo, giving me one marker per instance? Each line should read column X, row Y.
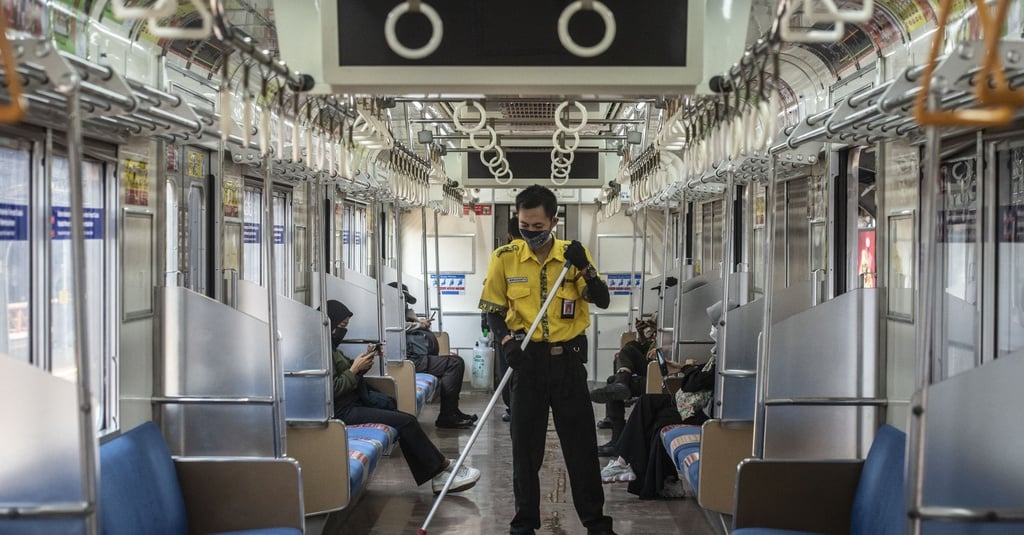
column 393, row 505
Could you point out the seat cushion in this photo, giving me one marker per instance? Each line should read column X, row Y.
column 356, row 475
column 680, row 442
column 426, row 385
column 368, row 452
column 878, row 506
column 770, row 531
column 139, row 491
column 384, row 434
column 268, row 531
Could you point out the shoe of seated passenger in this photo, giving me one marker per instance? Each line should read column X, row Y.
column 604, row 423
column 616, row 472
column 465, row 479
column 607, row 449
column 464, row 416
column 610, row 392
column 672, row 490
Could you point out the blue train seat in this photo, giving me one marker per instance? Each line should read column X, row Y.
column 144, row 490
column 426, row 387
column 802, row 497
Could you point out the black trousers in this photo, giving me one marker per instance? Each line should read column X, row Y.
column 450, row 371
column 423, row 458
column 558, row 382
column 640, row 443
column 615, row 410
column 499, row 372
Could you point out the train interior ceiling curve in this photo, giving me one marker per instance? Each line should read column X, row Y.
column 185, row 183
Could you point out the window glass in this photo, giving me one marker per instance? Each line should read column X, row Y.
column 301, row 254
column 957, row 244
column 1010, row 267
column 282, row 245
column 62, row 299
column 15, row 170
column 172, row 234
column 197, row 239
column 252, row 215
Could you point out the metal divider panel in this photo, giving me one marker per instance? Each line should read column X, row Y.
column 792, row 300
column 694, row 321
column 972, row 443
column 362, row 301
column 827, row 351
column 218, row 430
column 39, row 454
column 306, row 398
column 358, row 279
column 394, row 318
column 301, row 329
column 743, row 325
column 211, row 349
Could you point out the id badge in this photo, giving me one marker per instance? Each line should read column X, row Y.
column 568, row 309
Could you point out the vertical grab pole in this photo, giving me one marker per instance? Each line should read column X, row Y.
column 632, row 277
column 643, row 267
column 277, row 389
column 925, row 303
column 378, row 259
column 424, row 261
column 398, row 284
column 664, row 281
column 321, row 261
column 728, row 255
column 437, row 272
column 676, row 356
column 87, row 436
column 761, row 388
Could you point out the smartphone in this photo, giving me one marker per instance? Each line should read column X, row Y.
column 432, row 314
column 377, row 347
column 661, row 363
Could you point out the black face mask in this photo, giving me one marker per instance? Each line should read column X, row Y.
column 337, row 335
column 535, row 239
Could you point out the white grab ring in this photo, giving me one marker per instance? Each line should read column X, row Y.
column 490, row 145
column 565, row 179
column 458, row 124
column 557, row 158
column 568, row 149
column 436, row 31
column 492, row 163
column 497, row 178
column 558, row 117
column 586, row 51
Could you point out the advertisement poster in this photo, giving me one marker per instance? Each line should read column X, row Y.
column 231, row 192
column 136, row 182
column 866, row 258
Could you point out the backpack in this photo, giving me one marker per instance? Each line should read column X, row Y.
column 420, row 343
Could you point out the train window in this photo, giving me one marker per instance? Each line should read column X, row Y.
column 171, row 237
column 62, row 333
column 757, row 242
column 958, row 236
column 252, row 217
column 15, row 274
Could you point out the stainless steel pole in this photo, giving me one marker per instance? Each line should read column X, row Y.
column 676, row 347
column 424, row 261
column 437, row 271
column 764, row 356
column 87, row 436
column 632, row 277
column 643, row 266
column 276, row 384
column 321, row 262
column 664, row 282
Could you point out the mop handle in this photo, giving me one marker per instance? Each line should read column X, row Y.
column 490, row 405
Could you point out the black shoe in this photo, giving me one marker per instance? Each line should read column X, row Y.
column 604, row 423
column 464, row 416
column 606, row 450
column 453, row 422
column 611, row 391
column 507, row 417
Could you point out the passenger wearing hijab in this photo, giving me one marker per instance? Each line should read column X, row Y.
column 425, row 461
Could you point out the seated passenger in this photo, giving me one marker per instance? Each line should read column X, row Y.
column 353, row 406
column 629, row 381
column 642, row 459
column 422, row 349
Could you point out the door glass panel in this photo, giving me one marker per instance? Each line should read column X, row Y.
column 282, row 246
column 62, row 333
column 252, row 212
column 1010, row 266
column 197, row 239
column 957, row 244
column 15, row 171
column 172, row 234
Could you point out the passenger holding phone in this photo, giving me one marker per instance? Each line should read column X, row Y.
column 425, row 461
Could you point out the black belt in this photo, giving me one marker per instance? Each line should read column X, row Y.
column 557, row 349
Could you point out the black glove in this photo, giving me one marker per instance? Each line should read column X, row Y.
column 512, row 351
column 577, row 255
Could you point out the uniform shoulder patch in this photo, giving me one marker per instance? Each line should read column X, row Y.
column 507, row 249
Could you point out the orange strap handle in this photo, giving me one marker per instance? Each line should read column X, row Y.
column 15, row 111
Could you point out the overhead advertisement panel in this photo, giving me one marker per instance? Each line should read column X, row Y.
column 526, row 47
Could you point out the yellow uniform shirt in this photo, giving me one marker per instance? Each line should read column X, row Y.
column 517, row 285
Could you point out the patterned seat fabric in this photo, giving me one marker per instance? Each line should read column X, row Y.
column 682, row 442
column 385, row 435
column 426, row 387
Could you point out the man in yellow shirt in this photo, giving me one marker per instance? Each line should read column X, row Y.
column 550, row 373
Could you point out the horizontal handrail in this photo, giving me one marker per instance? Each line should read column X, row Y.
column 738, row 373
column 966, row 514
column 296, row 422
column 49, row 510
column 394, row 329
column 827, row 402
column 212, row 400
column 307, row 373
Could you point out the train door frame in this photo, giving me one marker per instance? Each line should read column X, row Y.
column 196, row 178
column 253, row 208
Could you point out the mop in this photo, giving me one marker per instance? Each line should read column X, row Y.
column 490, row 406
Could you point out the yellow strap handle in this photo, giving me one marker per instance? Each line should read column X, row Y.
column 994, row 116
column 15, row 111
